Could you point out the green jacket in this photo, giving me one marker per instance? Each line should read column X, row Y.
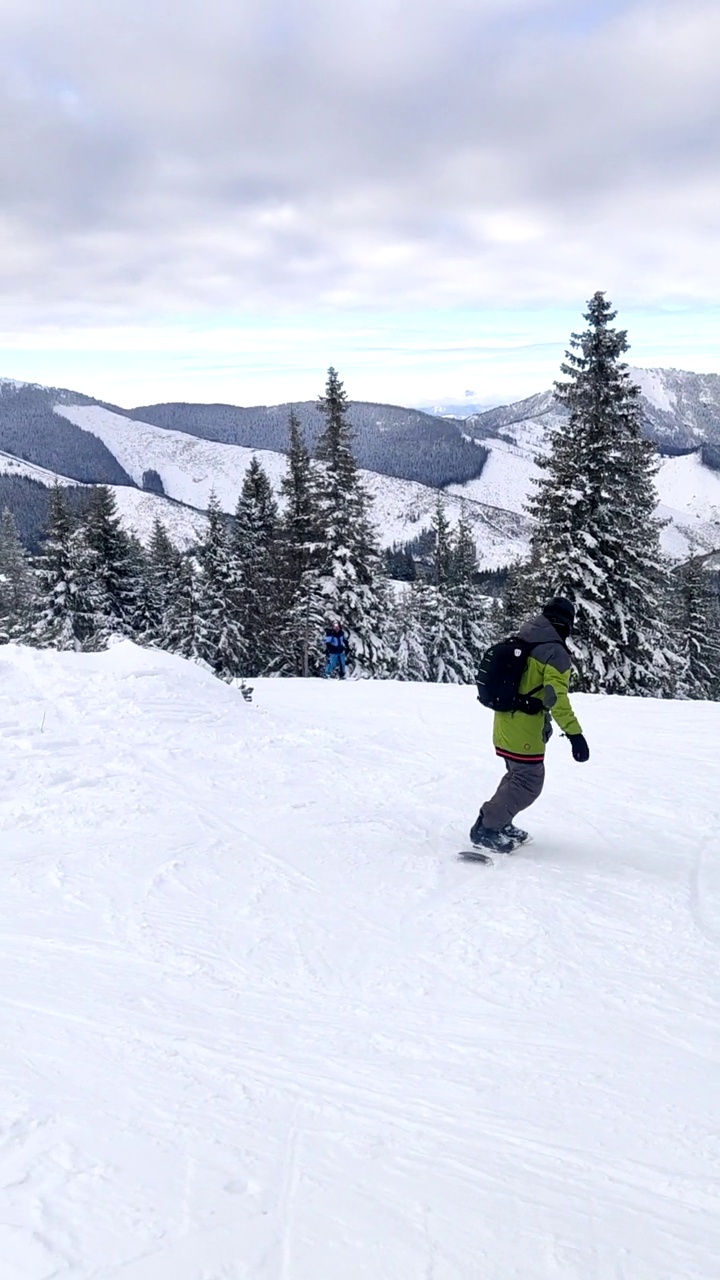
column 518, row 736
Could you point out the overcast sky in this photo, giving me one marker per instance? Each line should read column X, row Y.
column 216, row 199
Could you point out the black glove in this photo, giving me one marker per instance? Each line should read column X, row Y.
column 580, row 748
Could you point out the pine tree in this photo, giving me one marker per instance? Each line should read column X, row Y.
column 69, row 601
column 299, row 527
column 471, row 605
column 437, row 612
column 301, row 603
column 695, row 618
column 140, row 614
column 181, row 627
column 18, row 594
column 596, row 538
column 407, row 641
column 163, row 564
column 218, row 636
column 118, row 574
column 442, row 641
column 256, row 585
column 518, row 601
column 442, row 546
column 351, row 579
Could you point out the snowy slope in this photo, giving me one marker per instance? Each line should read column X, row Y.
column 12, row 466
column 688, row 491
column 259, row 1023
column 191, row 468
column 139, row 509
column 136, row 508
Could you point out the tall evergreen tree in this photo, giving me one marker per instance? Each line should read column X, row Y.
column 596, row 538
column 118, row 575
column 219, row 639
column 448, row 607
column 69, row 599
column 471, row 605
column 299, row 527
column 302, row 606
column 695, row 619
column 182, row 628
column 163, row 564
column 256, row 582
column 140, row 617
column 407, row 638
column 18, row 593
column 351, row 578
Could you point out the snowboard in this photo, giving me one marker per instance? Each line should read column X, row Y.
column 475, row 855
column 478, row 855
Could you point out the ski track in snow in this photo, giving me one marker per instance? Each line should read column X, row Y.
column 259, row 1023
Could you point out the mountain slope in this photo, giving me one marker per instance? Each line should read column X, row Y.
column 388, row 439
column 30, row 430
column 191, row 468
column 67, row 434
column 680, row 410
column 688, row 491
column 261, row 1023
column 25, row 491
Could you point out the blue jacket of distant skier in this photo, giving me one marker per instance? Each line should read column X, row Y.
column 335, row 642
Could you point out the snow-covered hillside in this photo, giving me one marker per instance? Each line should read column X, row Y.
column 191, row 468
column 137, row 508
column 259, row 1022
column 12, row 466
column 688, row 491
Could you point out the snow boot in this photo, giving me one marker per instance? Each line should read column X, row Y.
column 516, row 833
column 484, row 838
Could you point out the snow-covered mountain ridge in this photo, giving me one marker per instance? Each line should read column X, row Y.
column 259, row 1022
column 191, row 467
column 680, row 409
column 46, row 433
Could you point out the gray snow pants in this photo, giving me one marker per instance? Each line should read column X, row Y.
column 520, row 788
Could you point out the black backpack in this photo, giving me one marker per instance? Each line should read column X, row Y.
column 501, row 669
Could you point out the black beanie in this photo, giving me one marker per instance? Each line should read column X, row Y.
column 561, row 610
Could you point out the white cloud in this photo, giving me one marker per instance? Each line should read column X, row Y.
column 281, row 157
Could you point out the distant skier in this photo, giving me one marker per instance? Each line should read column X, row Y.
column 336, row 648
column 520, row 735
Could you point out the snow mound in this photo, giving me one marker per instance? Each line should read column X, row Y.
column 259, row 1020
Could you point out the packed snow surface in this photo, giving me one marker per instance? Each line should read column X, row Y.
column 260, row 1023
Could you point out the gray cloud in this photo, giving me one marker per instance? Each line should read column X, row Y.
column 242, row 154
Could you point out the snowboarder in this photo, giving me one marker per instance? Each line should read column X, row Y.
column 336, row 648
column 520, row 736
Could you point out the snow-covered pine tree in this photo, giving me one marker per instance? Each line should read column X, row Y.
column 351, row 579
column 695, row 620
column 518, row 601
column 219, row 639
column 18, row 593
column 140, row 610
column 472, row 606
column 256, row 586
column 69, row 602
column 302, row 607
column 596, row 538
column 163, row 562
column 119, row 583
column 438, row 613
column 406, row 635
column 181, row 627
